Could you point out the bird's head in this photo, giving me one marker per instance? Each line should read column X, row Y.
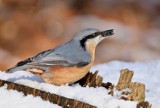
column 92, row 35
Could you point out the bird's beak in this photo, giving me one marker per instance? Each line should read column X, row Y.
column 107, row 33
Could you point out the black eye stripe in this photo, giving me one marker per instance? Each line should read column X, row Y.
column 83, row 41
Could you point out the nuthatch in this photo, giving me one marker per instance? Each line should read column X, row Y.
column 66, row 63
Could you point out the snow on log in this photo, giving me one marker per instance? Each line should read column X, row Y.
column 136, row 90
column 53, row 98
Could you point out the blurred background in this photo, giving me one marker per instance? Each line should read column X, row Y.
column 28, row 27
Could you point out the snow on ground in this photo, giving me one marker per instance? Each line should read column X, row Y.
column 148, row 73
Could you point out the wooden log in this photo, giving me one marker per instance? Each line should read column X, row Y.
column 125, row 79
column 53, row 98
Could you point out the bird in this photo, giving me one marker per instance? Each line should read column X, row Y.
column 66, row 63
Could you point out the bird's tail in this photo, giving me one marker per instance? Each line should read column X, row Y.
column 18, row 68
column 24, row 67
column 14, row 69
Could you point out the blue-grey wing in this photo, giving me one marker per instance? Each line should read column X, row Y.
column 67, row 55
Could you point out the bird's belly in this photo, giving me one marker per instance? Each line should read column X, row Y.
column 60, row 75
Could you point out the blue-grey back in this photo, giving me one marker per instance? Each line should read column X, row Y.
column 71, row 53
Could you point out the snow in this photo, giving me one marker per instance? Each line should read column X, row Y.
column 146, row 72
column 14, row 99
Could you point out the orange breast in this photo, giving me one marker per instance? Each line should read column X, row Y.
column 59, row 75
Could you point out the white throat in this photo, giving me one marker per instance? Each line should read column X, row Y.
column 96, row 40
